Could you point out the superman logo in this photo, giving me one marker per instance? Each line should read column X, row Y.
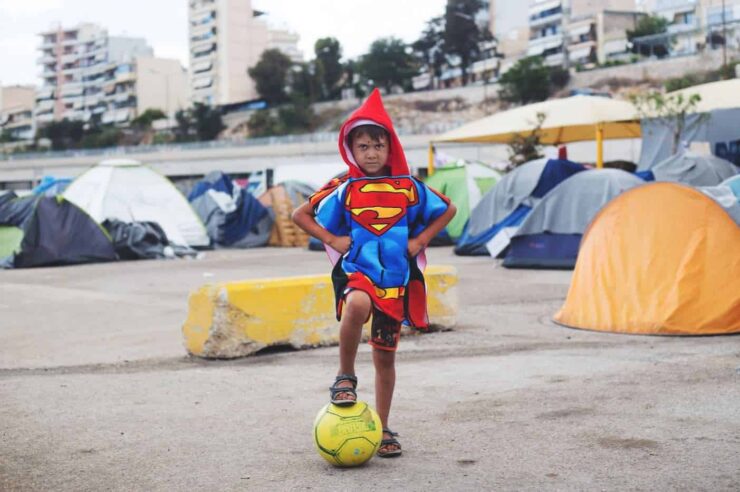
column 378, row 204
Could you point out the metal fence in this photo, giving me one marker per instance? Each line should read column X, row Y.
column 144, row 149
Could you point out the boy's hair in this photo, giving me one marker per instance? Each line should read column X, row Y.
column 375, row 133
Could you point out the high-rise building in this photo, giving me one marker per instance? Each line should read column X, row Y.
column 16, row 111
column 93, row 77
column 75, row 65
column 227, row 37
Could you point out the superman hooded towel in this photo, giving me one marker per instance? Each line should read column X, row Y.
column 379, row 214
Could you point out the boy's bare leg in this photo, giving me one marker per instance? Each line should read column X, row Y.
column 354, row 314
column 385, row 382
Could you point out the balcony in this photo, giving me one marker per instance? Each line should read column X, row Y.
column 487, row 65
column 539, row 45
column 203, row 49
column 46, row 59
column 550, row 19
column 69, row 58
column 72, row 90
column 554, row 59
column 45, row 105
column 201, row 29
column 45, row 118
column 44, row 93
column 205, row 44
column 202, row 83
column 202, row 66
column 123, row 97
column 125, row 77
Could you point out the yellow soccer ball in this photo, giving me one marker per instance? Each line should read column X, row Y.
column 347, row 435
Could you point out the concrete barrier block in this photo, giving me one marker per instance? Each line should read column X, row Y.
column 236, row 319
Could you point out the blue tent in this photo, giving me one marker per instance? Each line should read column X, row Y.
column 233, row 217
column 551, row 234
column 51, row 186
column 510, row 201
column 215, row 180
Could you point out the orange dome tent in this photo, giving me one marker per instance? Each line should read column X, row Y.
column 660, row 259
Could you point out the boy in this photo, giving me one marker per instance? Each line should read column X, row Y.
column 375, row 224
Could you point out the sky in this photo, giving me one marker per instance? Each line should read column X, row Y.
column 163, row 23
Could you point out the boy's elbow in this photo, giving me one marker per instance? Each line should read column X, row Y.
column 452, row 210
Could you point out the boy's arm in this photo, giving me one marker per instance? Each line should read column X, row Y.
column 421, row 241
column 305, row 218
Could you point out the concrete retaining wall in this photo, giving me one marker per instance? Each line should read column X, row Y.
column 236, row 319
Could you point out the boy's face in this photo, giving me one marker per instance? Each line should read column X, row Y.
column 371, row 155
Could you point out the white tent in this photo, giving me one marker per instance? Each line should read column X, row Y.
column 130, row 191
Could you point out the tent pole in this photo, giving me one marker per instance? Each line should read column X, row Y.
column 430, row 162
column 599, row 145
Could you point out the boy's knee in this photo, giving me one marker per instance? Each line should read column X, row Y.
column 358, row 304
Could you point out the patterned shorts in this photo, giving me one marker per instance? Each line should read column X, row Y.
column 384, row 331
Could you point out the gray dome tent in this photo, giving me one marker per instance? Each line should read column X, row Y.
column 550, row 235
column 693, row 169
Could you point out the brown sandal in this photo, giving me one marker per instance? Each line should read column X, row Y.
column 335, row 390
column 392, row 441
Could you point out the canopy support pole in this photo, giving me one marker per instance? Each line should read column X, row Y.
column 599, row 145
column 430, row 161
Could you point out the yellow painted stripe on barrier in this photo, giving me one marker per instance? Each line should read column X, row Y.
column 238, row 318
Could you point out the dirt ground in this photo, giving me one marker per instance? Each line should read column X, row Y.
column 97, row 392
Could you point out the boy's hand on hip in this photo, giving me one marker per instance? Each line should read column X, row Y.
column 415, row 246
column 340, row 244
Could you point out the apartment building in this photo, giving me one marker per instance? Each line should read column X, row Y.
column 585, row 30
column 146, row 82
column 75, row 65
column 90, row 76
column 16, row 112
column 285, row 41
column 509, row 23
column 694, row 25
column 227, row 37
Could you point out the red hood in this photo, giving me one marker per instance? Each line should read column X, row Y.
column 372, row 111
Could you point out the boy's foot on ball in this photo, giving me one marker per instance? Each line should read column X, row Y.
column 343, row 390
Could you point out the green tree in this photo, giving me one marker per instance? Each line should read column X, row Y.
column 304, row 81
column 98, row 138
column 185, row 130
column 527, row 81
column 462, row 34
column 329, row 67
column 263, row 124
column 671, row 111
column 388, row 64
column 430, row 48
column 647, row 26
column 270, row 74
column 297, row 117
column 524, row 148
column 145, row 119
column 63, row 134
column 207, row 122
